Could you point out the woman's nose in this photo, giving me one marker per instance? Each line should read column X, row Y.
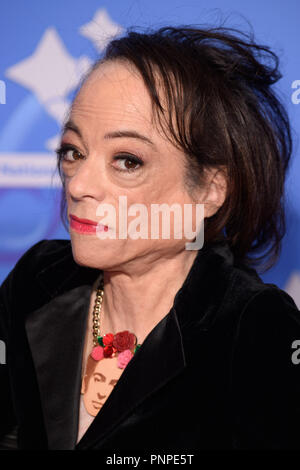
column 88, row 180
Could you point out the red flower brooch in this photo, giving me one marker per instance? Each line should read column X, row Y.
column 123, row 344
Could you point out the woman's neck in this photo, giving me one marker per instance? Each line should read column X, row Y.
column 138, row 301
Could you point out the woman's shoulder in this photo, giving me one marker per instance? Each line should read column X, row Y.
column 45, row 249
column 265, row 305
column 269, row 309
column 236, row 289
column 267, row 332
column 43, row 253
column 34, row 260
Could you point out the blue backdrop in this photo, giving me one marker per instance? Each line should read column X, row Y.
column 47, row 45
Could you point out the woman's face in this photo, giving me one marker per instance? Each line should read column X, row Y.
column 113, row 150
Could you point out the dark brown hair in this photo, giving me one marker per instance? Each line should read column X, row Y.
column 218, row 83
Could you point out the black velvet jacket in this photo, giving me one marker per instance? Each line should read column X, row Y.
column 215, row 373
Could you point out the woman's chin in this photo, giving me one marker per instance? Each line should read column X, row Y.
column 93, row 256
column 86, row 255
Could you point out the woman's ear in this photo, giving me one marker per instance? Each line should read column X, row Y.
column 215, row 190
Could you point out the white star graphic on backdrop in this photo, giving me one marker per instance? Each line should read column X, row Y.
column 101, row 29
column 51, row 73
column 293, row 287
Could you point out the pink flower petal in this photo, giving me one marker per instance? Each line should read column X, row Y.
column 97, row 353
column 123, row 358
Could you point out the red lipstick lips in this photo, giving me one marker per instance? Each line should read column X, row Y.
column 85, row 225
column 83, row 221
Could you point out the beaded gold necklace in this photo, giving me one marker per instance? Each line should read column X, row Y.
column 123, row 344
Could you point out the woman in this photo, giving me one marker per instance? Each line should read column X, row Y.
column 145, row 342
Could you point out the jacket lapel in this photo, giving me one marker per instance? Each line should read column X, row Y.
column 56, row 334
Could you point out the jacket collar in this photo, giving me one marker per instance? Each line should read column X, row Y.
column 211, row 267
column 57, row 348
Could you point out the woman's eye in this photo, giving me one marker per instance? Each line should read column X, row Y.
column 125, row 163
column 69, row 154
column 128, row 163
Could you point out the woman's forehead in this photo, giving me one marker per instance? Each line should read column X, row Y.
column 113, row 98
column 113, row 93
column 113, row 81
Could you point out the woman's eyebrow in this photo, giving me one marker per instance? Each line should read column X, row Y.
column 129, row 133
column 70, row 125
